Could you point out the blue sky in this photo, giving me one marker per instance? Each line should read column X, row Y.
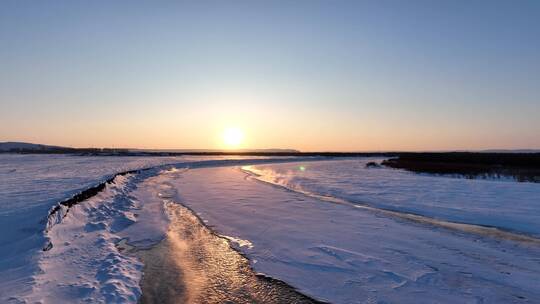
column 311, row 75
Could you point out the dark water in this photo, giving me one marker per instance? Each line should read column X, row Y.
column 193, row 265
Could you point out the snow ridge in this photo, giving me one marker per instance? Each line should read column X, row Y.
column 60, row 211
column 87, row 240
column 285, row 181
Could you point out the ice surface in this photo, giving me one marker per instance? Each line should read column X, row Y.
column 503, row 204
column 349, row 255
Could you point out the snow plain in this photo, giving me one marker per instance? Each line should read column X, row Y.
column 331, row 251
column 343, row 254
column 33, row 184
column 502, row 203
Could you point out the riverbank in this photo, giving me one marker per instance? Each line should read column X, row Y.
column 521, row 167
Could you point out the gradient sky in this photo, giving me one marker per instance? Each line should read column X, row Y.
column 310, row 75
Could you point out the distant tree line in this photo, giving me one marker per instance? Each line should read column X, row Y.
column 523, row 167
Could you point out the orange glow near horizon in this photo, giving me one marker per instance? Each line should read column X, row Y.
column 262, row 125
column 346, row 78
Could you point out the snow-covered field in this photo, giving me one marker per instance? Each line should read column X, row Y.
column 498, row 203
column 331, row 251
column 349, row 255
column 30, row 186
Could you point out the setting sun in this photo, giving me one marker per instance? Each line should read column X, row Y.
column 233, row 137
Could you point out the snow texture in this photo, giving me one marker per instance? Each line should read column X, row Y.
column 503, row 204
column 33, row 185
column 280, row 219
column 343, row 254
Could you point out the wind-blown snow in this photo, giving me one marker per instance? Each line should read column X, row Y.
column 503, row 204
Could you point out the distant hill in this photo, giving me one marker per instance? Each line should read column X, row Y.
column 13, row 146
column 23, row 147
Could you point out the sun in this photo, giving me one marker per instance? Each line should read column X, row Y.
column 233, row 137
